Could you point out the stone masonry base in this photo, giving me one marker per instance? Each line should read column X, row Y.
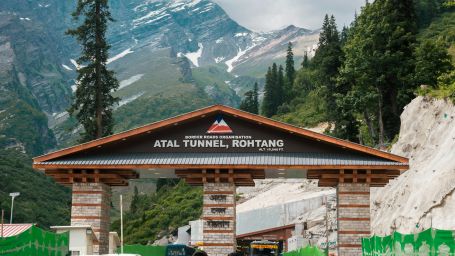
column 353, row 217
column 219, row 219
column 90, row 206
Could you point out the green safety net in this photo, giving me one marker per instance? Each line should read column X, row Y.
column 144, row 250
column 428, row 242
column 35, row 242
column 306, row 251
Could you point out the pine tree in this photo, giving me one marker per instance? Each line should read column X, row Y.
column 250, row 102
column 255, row 109
column 326, row 62
column 290, row 74
column 324, row 36
column 134, row 201
column 306, row 60
column 379, row 65
column 344, row 35
column 273, row 90
column 280, row 88
column 93, row 105
column 267, row 103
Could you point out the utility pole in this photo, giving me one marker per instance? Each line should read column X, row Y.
column 3, row 213
column 121, row 224
column 12, row 195
column 327, row 224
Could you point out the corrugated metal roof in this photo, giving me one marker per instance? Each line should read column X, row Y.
column 14, row 229
column 266, row 159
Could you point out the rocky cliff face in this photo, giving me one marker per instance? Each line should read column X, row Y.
column 424, row 195
column 32, row 83
column 199, row 30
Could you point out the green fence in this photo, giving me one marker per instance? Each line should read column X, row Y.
column 429, row 242
column 144, row 250
column 35, row 242
column 306, row 251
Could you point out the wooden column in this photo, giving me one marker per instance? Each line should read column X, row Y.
column 353, row 217
column 219, row 219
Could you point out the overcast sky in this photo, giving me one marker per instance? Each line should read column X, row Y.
column 266, row 15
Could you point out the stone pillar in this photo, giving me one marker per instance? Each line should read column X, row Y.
column 353, row 217
column 219, row 219
column 90, row 206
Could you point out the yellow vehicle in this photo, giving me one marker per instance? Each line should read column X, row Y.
column 264, row 248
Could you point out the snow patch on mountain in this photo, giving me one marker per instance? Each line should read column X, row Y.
column 219, row 59
column 130, row 81
column 74, row 63
column 240, row 53
column 77, row 66
column 120, row 55
column 66, row 67
column 194, row 56
column 241, row 34
column 149, row 15
column 129, row 99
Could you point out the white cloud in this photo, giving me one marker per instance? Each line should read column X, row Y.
column 266, row 15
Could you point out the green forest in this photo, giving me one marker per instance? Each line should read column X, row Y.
column 362, row 76
column 159, row 214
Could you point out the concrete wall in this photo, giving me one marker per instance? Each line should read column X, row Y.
column 276, row 215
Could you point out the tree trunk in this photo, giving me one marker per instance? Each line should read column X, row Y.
column 380, row 121
column 394, row 100
column 369, row 124
column 99, row 96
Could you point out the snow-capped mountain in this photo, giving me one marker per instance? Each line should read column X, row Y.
column 176, row 54
column 201, row 31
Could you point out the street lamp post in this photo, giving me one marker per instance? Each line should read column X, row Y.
column 12, row 195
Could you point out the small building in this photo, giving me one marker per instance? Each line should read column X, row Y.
column 82, row 239
column 184, row 235
column 114, row 242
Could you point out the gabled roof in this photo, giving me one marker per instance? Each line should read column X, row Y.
column 177, row 120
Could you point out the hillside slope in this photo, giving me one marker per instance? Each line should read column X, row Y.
column 424, row 195
column 41, row 201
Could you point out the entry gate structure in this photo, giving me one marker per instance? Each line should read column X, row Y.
column 220, row 148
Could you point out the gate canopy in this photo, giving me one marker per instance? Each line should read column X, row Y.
column 222, row 142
